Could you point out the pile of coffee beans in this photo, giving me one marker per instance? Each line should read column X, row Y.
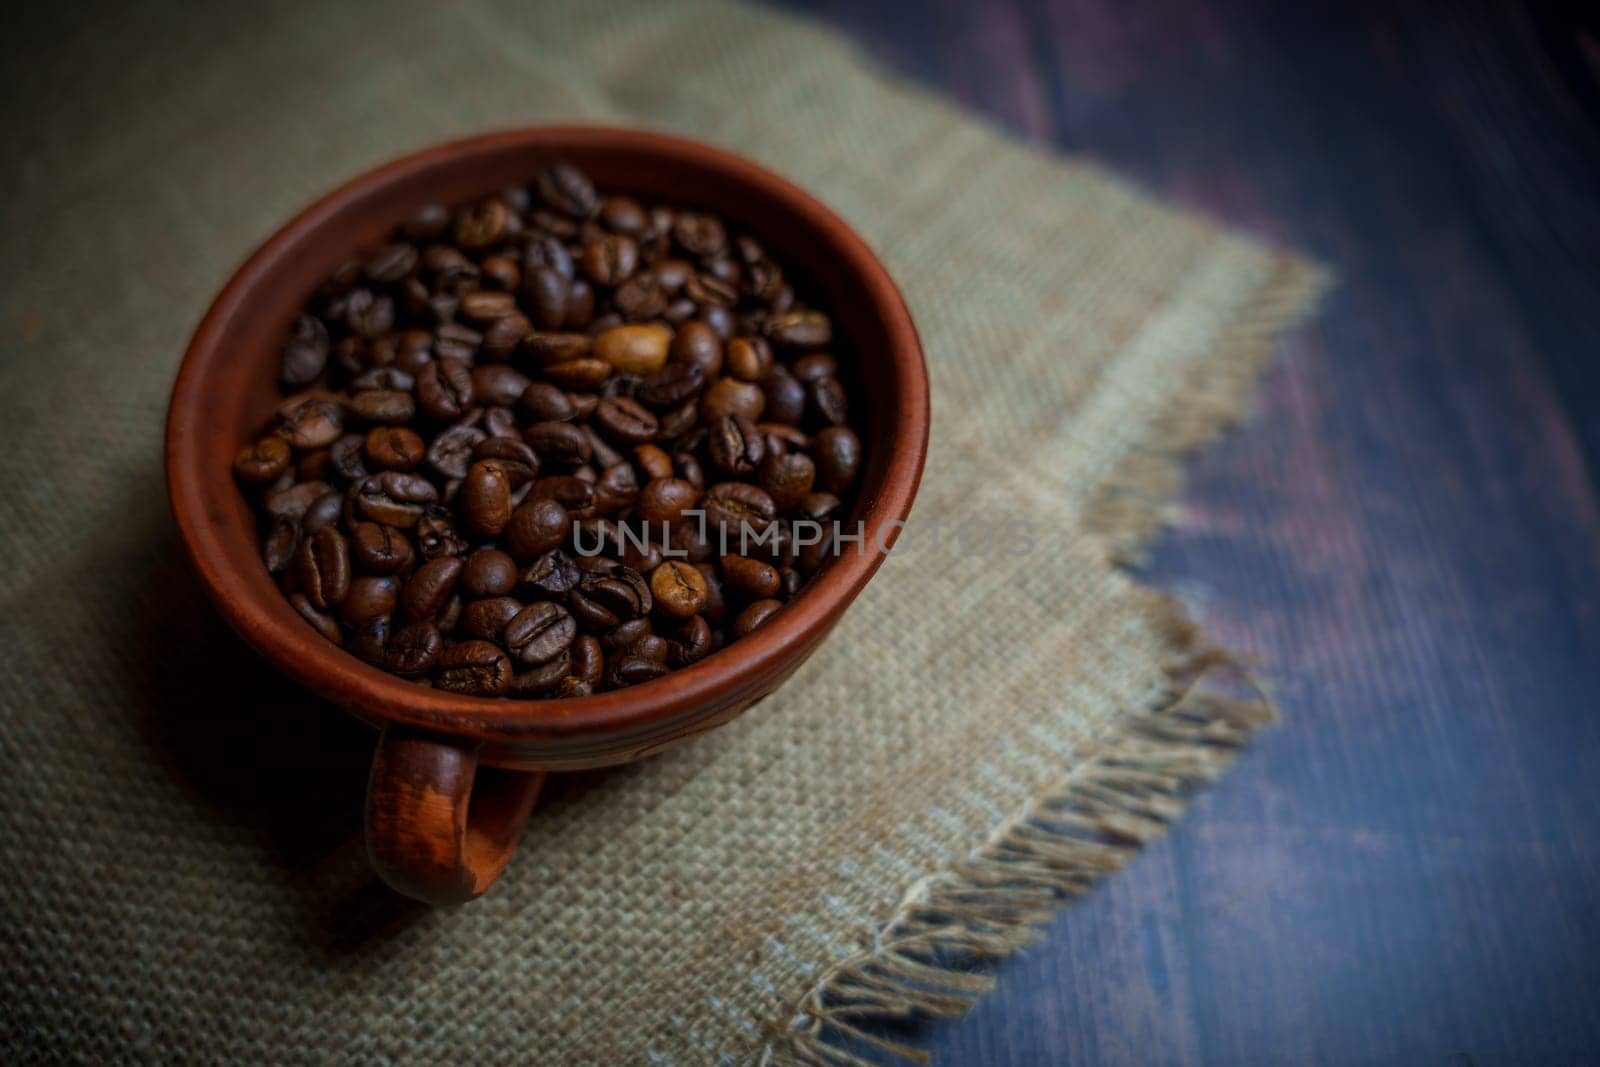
column 552, row 443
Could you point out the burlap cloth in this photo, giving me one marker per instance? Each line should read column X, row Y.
column 182, row 871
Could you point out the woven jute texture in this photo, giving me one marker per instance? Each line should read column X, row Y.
column 182, row 874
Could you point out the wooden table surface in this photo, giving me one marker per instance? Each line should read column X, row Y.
column 1407, row 531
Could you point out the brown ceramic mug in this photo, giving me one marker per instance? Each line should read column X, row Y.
column 437, row 828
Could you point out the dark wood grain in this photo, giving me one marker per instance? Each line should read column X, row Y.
column 1407, row 531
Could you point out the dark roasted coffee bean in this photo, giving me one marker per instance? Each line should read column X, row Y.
column 370, row 597
column 671, row 386
column 520, row 462
column 625, row 421
column 735, row 506
column 474, row 668
column 708, row 289
column 556, row 347
column 311, row 423
column 498, row 385
column 305, row 354
column 816, row 365
column 483, row 306
column 540, row 680
column 735, row 445
column 539, row 633
column 323, row 623
column 324, row 511
column 754, row 615
column 429, row 587
column 653, row 461
column 750, row 576
column 436, row 533
column 391, row 263
column 588, row 662
column 482, row 225
column 697, row 234
column 678, row 588
column 632, row 669
column 698, row 344
column 451, row 452
column 293, row 501
column 692, row 643
column 445, row 389
column 501, row 272
column 601, row 454
column 828, row 400
column 543, row 402
column 623, row 214
column 664, row 500
column 414, row 649
column 503, row 336
column 818, row 507
column 639, row 298
column 545, row 293
column 485, row 499
column 749, row 358
column 559, row 443
column 388, row 407
column 281, row 544
column 575, row 494
column 800, row 329
column 536, row 527
column 730, row 396
column 489, row 572
column 379, row 549
column 617, row 489
column 567, row 189
column 786, row 399
column 487, row 618
column 390, row 377
column 395, row 498
column 394, row 448
column 370, row 638
column 455, row 341
column 429, row 223
column 609, row 260
column 787, row 477
column 347, row 458
column 367, row 315
column 838, row 458
column 263, row 461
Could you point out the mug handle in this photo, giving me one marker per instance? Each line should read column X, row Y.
column 430, row 834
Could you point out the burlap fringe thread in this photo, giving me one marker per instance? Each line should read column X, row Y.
column 1118, row 795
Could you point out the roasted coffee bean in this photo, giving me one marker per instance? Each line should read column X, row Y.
column 554, row 347
column 566, row 189
column 838, row 458
column 625, row 421
column 787, row 477
column 394, row 498
column 452, row 452
column 474, row 668
column 733, row 506
column 414, row 649
column 498, row 385
column 293, row 501
column 800, row 329
column 634, row 349
column 445, row 389
column 750, row 576
column 429, row 587
column 394, row 448
column 436, row 533
column 749, row 358
column 609, row 260
column 388, row 407
column 483, row 224
column 282, row 543
column 371, row 596
column 323, row 623
column 536, row 527
column 503, row 336
column 828, row 400
column 489, row 572
column 379, row 549
column 310, row 423
column 542, row 371
column 263, row 461
column 671, row 386
column 305, row 354
column 559, row 443
column 735, row 445
column 730, row 396
column 487, row 618
column 539, row 633
column 755, row 615
column 679, row 590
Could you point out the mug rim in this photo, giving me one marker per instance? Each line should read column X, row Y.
column 747, row 664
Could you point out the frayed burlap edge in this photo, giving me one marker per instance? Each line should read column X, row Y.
column 1117, row 795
